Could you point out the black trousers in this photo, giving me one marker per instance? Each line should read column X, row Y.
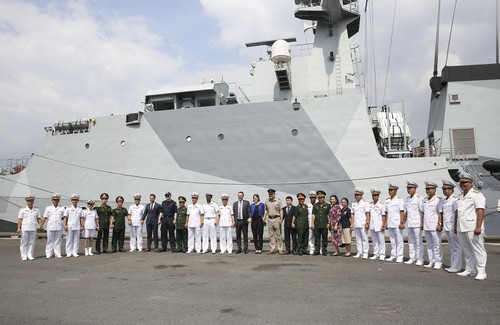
column 290, row 232
column 102, row 234
column 242, row 227
column 257, row 231
column 167, row 234
column 320, row 236
column 152, row 230
column 118, row 239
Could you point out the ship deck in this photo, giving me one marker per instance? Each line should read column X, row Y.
column 159, row 288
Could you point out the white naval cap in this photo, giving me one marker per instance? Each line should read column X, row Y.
column 137, row 196
column 29, row 197
column 359, row 191
column 75, row 196
column 393, row 186
column 411, row 184
column 430, row 185
column 375, row 191
column 224, row 196
column 466, row 177
column 56, row 196
column 448, row 184
column 312, row 193
column 194, row 194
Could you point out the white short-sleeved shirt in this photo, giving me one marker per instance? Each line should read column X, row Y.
column 211, row 210
column 91, row 219
column 30, row 218
column 73, row 214
column 432, row 208
column 393, row 208
column 450, row 206
column 377, row 211
column 226, row 213
column 467, row 215
column 414, row 209
column 195, row 211
column 136, row 212
column 55, row 217
column 359, row 210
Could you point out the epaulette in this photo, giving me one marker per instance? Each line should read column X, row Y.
column 475, row 191
column 381, row 202
column 454, row 196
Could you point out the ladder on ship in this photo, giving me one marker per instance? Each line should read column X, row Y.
column 338, row 74
column 468, row 167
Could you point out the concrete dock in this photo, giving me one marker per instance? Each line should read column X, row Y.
column 166, row 288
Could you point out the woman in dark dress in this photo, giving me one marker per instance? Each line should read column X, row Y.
column 346, row 221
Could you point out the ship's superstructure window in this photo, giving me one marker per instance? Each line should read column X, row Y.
column 204, row 95
column 220, row 137
column 87, row 145
column 295, row 132
column 188, row 139
column 123, row 143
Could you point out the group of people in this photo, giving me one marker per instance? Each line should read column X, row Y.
column 193, row 228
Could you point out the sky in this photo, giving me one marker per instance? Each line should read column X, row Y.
column 67, row 59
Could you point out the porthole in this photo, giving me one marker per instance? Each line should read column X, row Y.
column 188, row 138
column 295, row 132
column 220, row 137
column 122, row 143
column 87, row 145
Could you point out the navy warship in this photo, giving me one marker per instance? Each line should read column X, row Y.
column 302, row 124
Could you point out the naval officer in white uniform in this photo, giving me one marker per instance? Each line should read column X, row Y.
column 226, row 222
column 450, row 206
column 433, row 225
column 135, row 213
column 209, row 231
column 413, row 216
column 28, row 220
column 470, row 228
column 54, row 215
column 310, row 205
column 361, row 216
column 195, row 215
column 73, row 226
column 377, row 226
column 394, row 207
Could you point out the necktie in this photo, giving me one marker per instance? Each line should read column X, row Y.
column 287, row 210
column 151, row 208
column 240, row 213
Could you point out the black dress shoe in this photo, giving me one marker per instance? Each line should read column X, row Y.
column 105, row 251
column 245, row 251
column 316, row 253
column 97, row 252
column 113, row 251
column 121, row 250
column 294, row 252
column 324, row 253
column 300, row 253
column 288, row 253
column 238, row 251
column 163, row 249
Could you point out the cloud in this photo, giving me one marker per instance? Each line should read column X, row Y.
column 63, row 61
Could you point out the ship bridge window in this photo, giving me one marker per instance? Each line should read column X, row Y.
column 164, row 105
column 206, row 102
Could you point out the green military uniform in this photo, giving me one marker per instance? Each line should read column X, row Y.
column 119, row 216
column 320, row 212
column 302, row 225
column 104, row 212
column 180, row 229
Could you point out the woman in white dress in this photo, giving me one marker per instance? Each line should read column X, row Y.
column 91, row 225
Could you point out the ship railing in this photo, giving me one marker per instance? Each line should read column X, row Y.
column 428, row 147
column 13, row 165
column 310, row 3
column 468, row 167
column 351, row 5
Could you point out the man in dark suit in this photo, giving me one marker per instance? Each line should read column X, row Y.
column 168, row 209
column 152, row 214
column 288, row 212
column 241, row 210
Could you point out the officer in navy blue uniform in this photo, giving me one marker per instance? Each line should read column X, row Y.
column 168, row 208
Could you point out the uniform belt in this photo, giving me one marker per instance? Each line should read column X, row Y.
column 273, row 217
